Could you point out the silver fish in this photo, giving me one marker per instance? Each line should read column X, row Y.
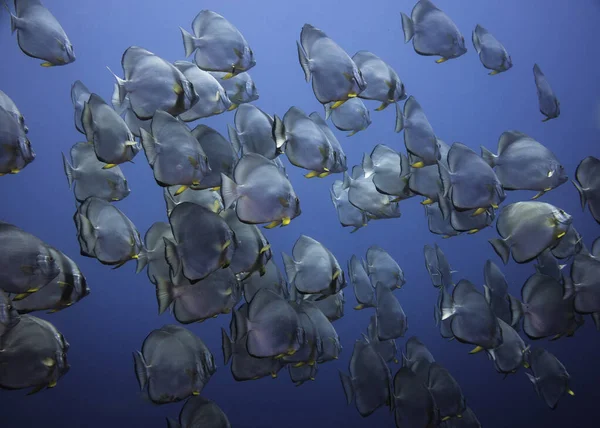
column 383, row 83
column 253, row 132
column 549, row 104
column 492, row 53
column 9, row 105
column 240, row 88
column 80, row 94
column 419, row 138
column 550, row 378
column 351, row 116
column 588, row 185
column 348, row 214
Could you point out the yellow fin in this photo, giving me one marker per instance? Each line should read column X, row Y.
column 181, row 190
column 227, row 76
column 494, row 206
column 285, row 221
column 195, row 393
column 15, row 171
column 279, row 357
column 20, row 297
column 526, row 364
column 130, row 143
column 445, row 418
column 109, row 166
column 216, row 188
column 476, row 350
column 427, row 201
column 47, row 64
column 273, row 375
column 539, row 194
column 324, row 174
column 298, row 364
column 284, row 202
column 52, row 384
column 382, row 106
column 265, row 249
column 232, row 107
column 336, row 274
column 419, row 164
column 215, row 206
column 439, row 61
column 472, row 231
column 33, row 290
column 48, row 362
column 194, row 162
column 560, row 235
column 359, row 307
column 272, row 224
column 478, row 211
column 311, row 174
column 291, row 351
column 337, row 104
column 226, row 244
column 352, row 95
column 570, row 392
column 494, row 72
column 177, row 89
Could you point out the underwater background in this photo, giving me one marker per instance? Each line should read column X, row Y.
column 462, row 102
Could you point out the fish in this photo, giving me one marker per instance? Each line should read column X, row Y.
column 9, row 105
column 269, row 277
column 419, row 138
column 363, row 290
column 433, row 32
column 392, row 322
column 550, row 377
column 496, row 291
column 253, row 132
column 412, row 402
column 218, row 45
column 382, row 268
column 80, row 95
column 437, row 223
column 207, row 198
column 387, row 349
column 199, row 410
column 426, row 182
column 240, row 89
column 221, row 156
column 15, row 148
column 363, row 194
column 588, row 185
column 528, row 228
column 584, row 275
column 548, row 102
column 252, row 175
column 569, row 245
column 9, row 316
column 39, row 34
column 448, row 398
column 492, row 53
column 523, row 163
column 512, row 353
column 383, row 83
column 335, row 77
column 417, row 358
column 348, row 214
column 332, row 306
column 390, row 170
column 352, row 116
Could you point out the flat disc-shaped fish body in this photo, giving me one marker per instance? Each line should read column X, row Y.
column 363, row 290
column 569, row 245
column 204, row 241
column 299, row 375
column 219, row 45
column 445, row 269
column 33, row 355
column 469, row 181
column 271, row 279
column 80, row 94
column 492, row 53
column 273, row 326
column 9, row 105
column 26, row 262
column 106, row 233
column 387, row 349
column 369, row 380
column 89, row 176
column 382, row 268
column 329, row 341
column 246, row 367
column 9, row 317
column 446, row 393
column 252, row 248
column 549, row 104
column 262, row 191
column 253, row 131
column 351, row 116
column 510, row 355
column 212, row 98
column 175, row 155
column 158, row 268
column 207, row 198
column 15, row 149
column 133, row 122
column 418, row 358
column 216, row 294
column 473, row 321
column 383, row 83
column 202, row 412
column 310, row 347
column 523, row 163
column 413, row 404
column 426, row 181
column 331, row 306
column 348, row 214
column 391, row 319
column 206, row 361
column 152, row 84
column 433, row 32
column 545, row 312
column 339, row 157
column 528, row 228
column 221, row 155
column 40, row 35
column 585, row 274
column 240, row 88
column 468, row 221
column 390, row 171
column 496, row 291
column 312, row 268
column 67, row 288
column 436, row 222
column 550, row 378
column 548, row 265
column 432, row 265
column 335, row 77
column 588, row 185
column 419, row 137
column 467, row 420
column 363, row 194
column 113, row 141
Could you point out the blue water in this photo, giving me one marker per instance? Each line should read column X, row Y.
column 462, row 103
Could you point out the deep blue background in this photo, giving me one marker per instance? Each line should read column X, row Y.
column 462, row 103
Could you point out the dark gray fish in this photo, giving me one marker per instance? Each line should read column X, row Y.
column 569, row 245
column 386, row 348
column 222, row 156
column 412, row 401
column 363, row 290
column 369, row 381
column 302, row 374
column 383, row 83
column 528, row 228
column 89, row 176
column 240, row 89
column 152, row 84
column 9, row 317
column 174, row 364
column 339, row 157
column 331, row 306
column 523, row 163
column 218, row 45
column 382, row 268
column 9, row 105
column 445, row 325
column 154, row 257
column 436, row 222
column 549, row 104
column 351, row 116
column 392, row 322
column 426, row 182
column 467, row 420
column 432, row 265
column 473, row 321
column 433, row 32
column 585, row 275
column 253, row 132
column 212, row 98
column 253, row 174
column 204, row 242
column 34, row 355
column 448, row 399
column 270, row 277
column 417, row 358
column 548, row 265
column 26, row 262
column 207, row 198
column 512, row 353
column 15, row 148
column 588, row 185
column 80, row 95
column 363, row 194
column 550, row 378
column 348, row 214
column 470, row 221
column 390, row 171
column 40, row 35
column 492, row 53
column 335, row 77
column 469, row 182
column 308, row 352
column 328, row 345
column 201, row 412
column 419, row 138
column 496, row 291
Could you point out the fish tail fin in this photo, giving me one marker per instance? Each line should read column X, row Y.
column 327, row 110
column 149, row 145
column 172, row 423
column 488, row 157
column 290, row 267
column 227, row 346
column 172, row 256
column 278, row 132
column 164, row 294
column 229, row 191
column 119, row 92
column 399, row 119
column 142, row 261
column 68, row 170
column 581, row 192
column 348, row 388
column 304, row 62
column 141, row 369
column 501, row 248
column 13, row 20
column 408, row 27
column 188, row 42
column 367, row 164
column 516, row 310
column 234, row 138
column 446, row 178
